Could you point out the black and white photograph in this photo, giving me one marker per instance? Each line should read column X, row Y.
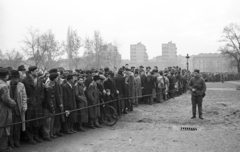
column 119, row 76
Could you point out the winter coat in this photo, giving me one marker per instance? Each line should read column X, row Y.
column 143, row 77
column 131, row 87
column 138, row 86
column 81, row 103
column 21, row 101
column 6, row 103
column 110, row 84
column 69, row 101
column 149, row 85
column 93, row 99
column 35, row 97
column 120, row 85
column 199, row 85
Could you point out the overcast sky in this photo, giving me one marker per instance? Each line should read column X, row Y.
column 194, row 25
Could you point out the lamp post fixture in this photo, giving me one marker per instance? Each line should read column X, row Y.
column 187, row 60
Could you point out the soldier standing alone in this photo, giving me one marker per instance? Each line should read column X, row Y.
column 198, row 88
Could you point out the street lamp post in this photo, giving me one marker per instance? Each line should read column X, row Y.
column 187, row 60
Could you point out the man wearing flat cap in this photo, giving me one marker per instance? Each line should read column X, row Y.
column 6, row 106
column 197, row 87
column 18, row 94
column 35, row 93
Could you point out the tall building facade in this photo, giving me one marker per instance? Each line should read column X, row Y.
column 138, row 54
column 212, row 62
column 169, row 54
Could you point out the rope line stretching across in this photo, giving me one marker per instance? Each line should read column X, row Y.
column 69, row 111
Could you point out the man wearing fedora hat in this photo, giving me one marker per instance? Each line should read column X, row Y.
column 6, row 105
column 22, row 71
column 18, row 94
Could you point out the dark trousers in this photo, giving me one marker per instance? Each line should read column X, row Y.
column 15, row 130
column 48, row 124
column 3, row 143
column 32, row 132
column 197, row 100
column 119, row 105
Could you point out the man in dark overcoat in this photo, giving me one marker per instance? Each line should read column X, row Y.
column 121, row 88
column 35, row 96
column 109, row 84
column 69, row 103
column 148, row 87
column 143, row 77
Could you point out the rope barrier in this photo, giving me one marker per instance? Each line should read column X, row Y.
column 69, row 111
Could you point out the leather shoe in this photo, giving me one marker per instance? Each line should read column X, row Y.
column 193, row 117
column 59, row 134
column 73, row 131
column 68, row 132
column 32, row 142
column 47, row 139
column 6, row 149
column 92, row 127
column 81, row 129
column 17, row 144
column 38, row 140
column 97, row 126
column 200, row 117
column 53, row 137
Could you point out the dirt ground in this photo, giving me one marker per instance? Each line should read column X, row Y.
column 156, row 128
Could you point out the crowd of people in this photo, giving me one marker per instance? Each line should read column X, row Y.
column 220, row 77
column 31, row 94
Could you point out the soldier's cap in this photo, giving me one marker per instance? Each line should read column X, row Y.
column 15, row 74
column 32, row 68
column 132, row 67
column 21, row 68
column 141, row 66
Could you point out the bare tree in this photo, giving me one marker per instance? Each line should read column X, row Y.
column 13, row 58
column 32, row 45
column 231, row 38
column 73, row 48
column 98, row 49
column 52, row 50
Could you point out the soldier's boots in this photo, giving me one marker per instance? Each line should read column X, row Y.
column 194, row 116
column 200, row 117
